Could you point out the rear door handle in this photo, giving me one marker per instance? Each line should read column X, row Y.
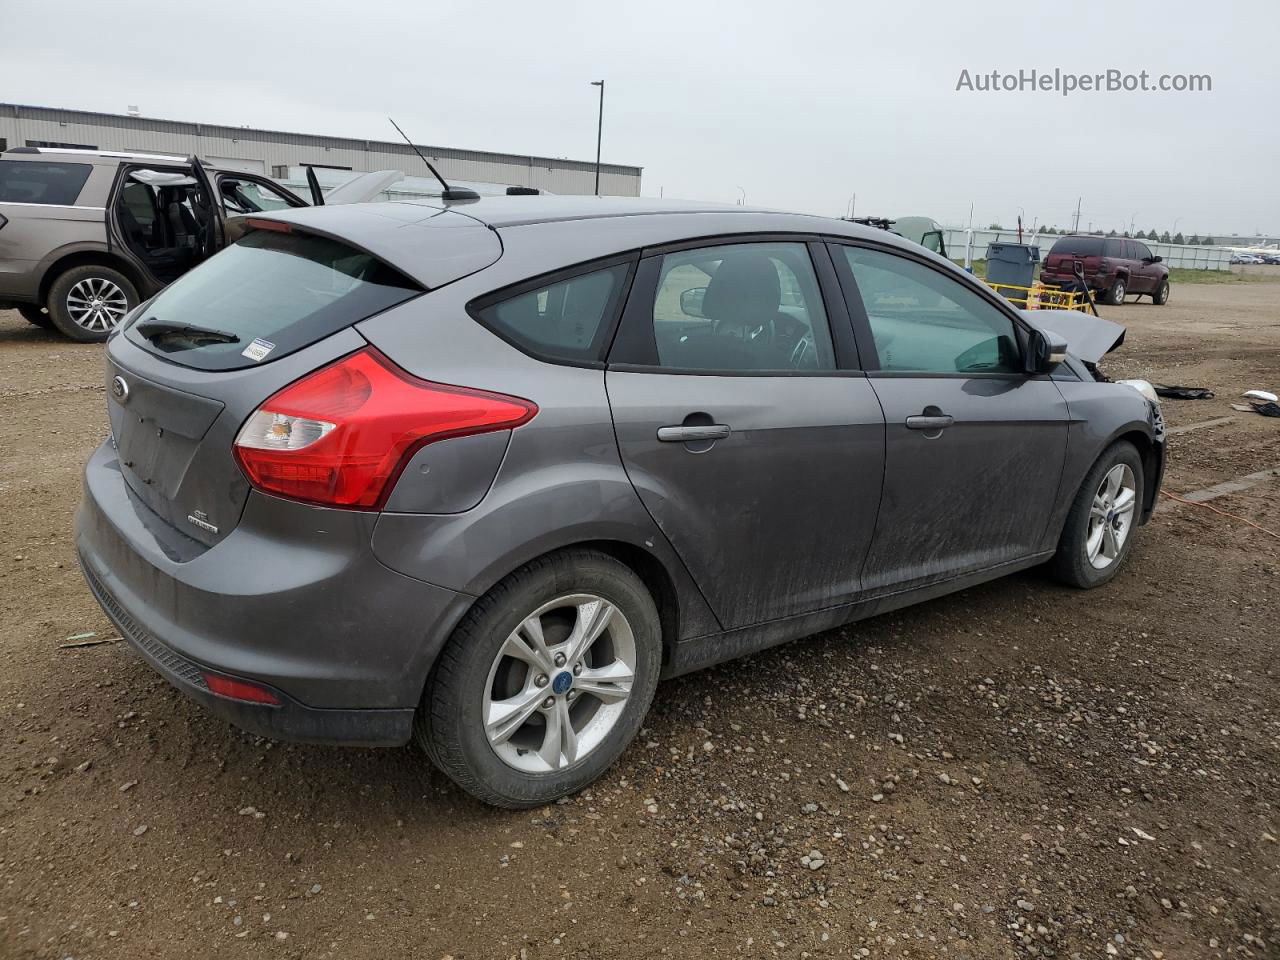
column 693, row 434
column 922, row 422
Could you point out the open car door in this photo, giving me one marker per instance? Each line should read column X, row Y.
column 313, row 184
column 207, row 211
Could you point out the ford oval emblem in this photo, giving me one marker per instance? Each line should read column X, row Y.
column 120, row 389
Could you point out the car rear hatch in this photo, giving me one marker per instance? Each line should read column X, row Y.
column 1067, row 252
column 195, row 362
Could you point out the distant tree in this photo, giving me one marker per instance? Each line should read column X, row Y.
column 1164, row 237
column 1111, row 233
column 1152, row 235
column 1194, row 239
column 1125, row 234
column 995, row 226
column 1179, row 238
column 1207, row 241
column 1050, row 230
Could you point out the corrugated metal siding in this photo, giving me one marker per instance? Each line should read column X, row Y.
column 19, row 123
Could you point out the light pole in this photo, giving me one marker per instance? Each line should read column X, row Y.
column 599, row 131
column 742, row 202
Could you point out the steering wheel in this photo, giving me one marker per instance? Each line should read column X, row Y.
column 763, row 333
column 804, row 355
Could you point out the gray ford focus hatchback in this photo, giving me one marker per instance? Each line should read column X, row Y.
column 480, row 474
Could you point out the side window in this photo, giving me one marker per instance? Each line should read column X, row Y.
column 924, row 321
column 1141, row 251
column 250, row 196
column 746, row 306
column 1115, row 248
column 563, row 320
column 40, row 181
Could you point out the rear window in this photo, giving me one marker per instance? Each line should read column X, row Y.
column 1079, row 246
column 274, row 293
column 564, row 320
column 39, row 181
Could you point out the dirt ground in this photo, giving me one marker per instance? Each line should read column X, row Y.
column 1017, row 770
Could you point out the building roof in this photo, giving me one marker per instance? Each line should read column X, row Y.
column 129, row 121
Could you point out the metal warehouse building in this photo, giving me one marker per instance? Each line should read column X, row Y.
column 272, row 152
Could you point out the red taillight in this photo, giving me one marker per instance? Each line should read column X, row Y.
column 257, row 223
column 239, row 689
column 340, row 436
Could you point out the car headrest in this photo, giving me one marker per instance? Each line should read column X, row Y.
column 745, row 285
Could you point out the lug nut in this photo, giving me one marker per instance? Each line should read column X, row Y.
column 548, row 703
column 577, row 669
column 559, row 659
column 571, row 695
column 540, row 680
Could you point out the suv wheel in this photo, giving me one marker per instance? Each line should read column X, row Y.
column 1116, row 294
column 33, row 313
column 1099, row 529
column 545, row 681
column 1161, row 296
column 86, row 303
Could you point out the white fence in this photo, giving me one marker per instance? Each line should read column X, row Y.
column 1191, row 257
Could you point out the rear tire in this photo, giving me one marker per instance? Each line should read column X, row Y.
column 1115, row 296
column 88, row 302
column 1082, row 559
column 34, row 313
column 482, row 675
column 1161, row 296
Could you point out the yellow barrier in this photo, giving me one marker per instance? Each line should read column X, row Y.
column 1038, row 296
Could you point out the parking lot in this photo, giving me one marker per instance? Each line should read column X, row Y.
column 1016, row 770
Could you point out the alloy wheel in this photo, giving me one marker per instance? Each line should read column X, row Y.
column 1111, row 516
column 96, row 304
column 559, row 683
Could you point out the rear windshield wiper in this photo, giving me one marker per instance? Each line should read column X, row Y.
column 153, row 329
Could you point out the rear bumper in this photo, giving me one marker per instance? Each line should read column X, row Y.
column 292, row 598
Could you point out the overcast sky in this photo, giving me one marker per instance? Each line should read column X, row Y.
column 798, row 105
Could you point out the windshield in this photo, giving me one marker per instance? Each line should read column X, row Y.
column 272, row 292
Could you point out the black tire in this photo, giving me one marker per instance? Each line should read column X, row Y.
column 449, row 725
column 1115, row 295
column 1071, row 563
column 60, row 310
column 1161, row 296
column 33, row 313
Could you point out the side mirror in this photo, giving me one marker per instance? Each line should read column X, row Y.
column 1048, row 349
column 691, row 302
column 1157, row 259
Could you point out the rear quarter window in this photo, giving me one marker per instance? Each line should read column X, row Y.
column 42, row 181
column 288, row 290
column 561, row 320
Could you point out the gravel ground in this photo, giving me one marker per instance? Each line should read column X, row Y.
column 1017, row 770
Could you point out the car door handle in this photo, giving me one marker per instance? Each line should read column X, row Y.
column 930, row 422
column 693, row 434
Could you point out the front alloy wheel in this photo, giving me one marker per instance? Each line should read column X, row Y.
column 1102, row 520
column 1111, row 516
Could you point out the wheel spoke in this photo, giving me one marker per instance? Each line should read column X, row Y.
column 593, row 620
column 609, row 684
column 1094, row 544
column 559, row 740
column 1125, row 502
column 526, row 643
column 1110, row 546
column 505, row 717
column 1113, row 482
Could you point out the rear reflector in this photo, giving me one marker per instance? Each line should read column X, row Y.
column 340, row 436
column 239, row 689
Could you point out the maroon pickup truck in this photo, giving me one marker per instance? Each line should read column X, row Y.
column 1113, row 266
